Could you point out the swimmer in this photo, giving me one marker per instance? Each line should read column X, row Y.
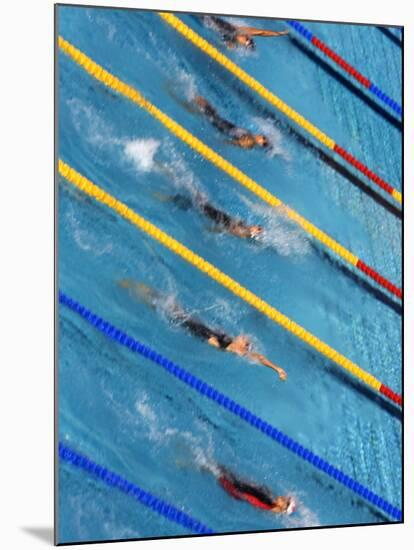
column 234, row 36
column 238, row 136
column 259, row 497
column 222, row 220
column 239, row 345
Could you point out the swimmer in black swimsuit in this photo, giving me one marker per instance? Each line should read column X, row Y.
column 240, row 345
column 233, row 35
column 222, row 220
column 259, row 497
column 238, row 136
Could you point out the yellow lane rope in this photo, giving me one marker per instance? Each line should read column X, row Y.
column 179, row 131
column 131, row 93
column 89, row 188
column 274, row 100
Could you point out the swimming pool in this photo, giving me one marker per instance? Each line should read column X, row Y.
column 116, row 407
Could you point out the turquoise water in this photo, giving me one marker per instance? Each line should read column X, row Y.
column 127, row 414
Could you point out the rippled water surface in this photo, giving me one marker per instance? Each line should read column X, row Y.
column 124, row 411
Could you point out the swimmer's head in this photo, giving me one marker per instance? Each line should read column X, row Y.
column 255, row 231
column 261, row 140
column 240, row 229
column 241, row 343
column 245, row 40
column 284, row 505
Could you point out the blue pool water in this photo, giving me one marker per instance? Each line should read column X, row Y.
column 124, row 412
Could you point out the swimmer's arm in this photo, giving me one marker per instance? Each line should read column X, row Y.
column 213, row 342
column 251, row 31
column 264, row 361
column 238, row 142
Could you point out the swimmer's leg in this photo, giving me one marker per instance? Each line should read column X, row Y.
column 181, row 201
column 203, row 104
column 189, row 106
column 141, row 291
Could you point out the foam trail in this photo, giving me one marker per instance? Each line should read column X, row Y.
column 280, row 232
column 142, row 154
column 190, row 448
column 275, row 137
column 83, row 238
column 149, row 417
column 180, row 173
column 287, row 240
column 90, row 125
column 302, row 517
column 186, row 85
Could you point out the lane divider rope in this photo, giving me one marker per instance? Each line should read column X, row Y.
column 112, row 479
column 92, row 190
column 136, row 97
column 221, row 399
column 366, row 82
column 252, row 83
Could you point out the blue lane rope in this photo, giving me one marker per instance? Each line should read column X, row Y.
column 144, row 497
column 209, row 391
column 366, row 82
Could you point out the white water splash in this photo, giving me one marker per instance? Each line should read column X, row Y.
column 141, row 152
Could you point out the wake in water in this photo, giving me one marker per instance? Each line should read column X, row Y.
column 147, row 155
column 183, row 86
column 85, row 239
column 139, row 152
column 281, row 233
column 143, row 155
column 275, row 137
column 303, row 516
column 91, row 126
column 190, row 450
column 286, row 238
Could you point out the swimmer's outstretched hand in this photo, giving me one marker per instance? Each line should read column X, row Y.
column 265, row 361
column 282, row 374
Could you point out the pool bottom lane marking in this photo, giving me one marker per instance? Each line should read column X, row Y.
column 274, row 100
column 180, row 132
column 221, row 399
column 89, row 188
column 144, row 497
